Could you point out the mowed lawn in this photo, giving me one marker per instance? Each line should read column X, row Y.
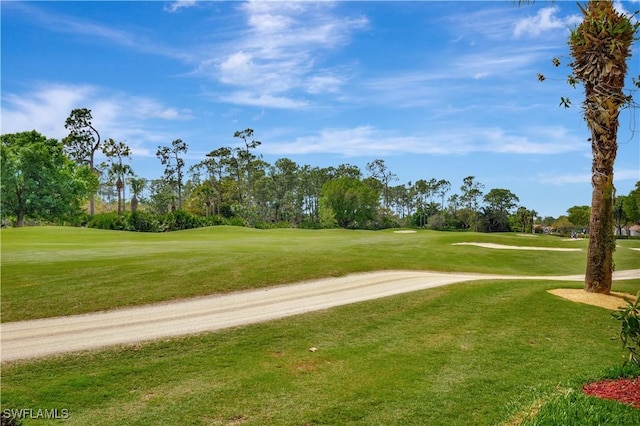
column 484, row 352
column 52, row 271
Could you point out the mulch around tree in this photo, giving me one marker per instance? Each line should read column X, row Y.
column 626, row 391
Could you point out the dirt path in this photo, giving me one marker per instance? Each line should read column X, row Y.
column 38, row 338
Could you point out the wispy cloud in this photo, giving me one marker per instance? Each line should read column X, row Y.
column 245, row 97
column 278, row 55
column 121, row 116
column 545, row 20
column 369, row 140
column 87, row 29
column 179, row 4
column 584, row 178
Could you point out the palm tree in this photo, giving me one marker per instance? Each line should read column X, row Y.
column 600, row 46
column 137, row 185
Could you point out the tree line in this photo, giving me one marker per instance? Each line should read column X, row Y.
column 48, row 180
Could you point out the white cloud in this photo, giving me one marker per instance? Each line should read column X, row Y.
column 66, row 24
column 116, row 115
column 279, row 54
column 179, row 4
column 368, row 140
column 627, row 174
column 237, row 68
column 330, row 83
column 585, row 178
column 503, row 62
column 44, row 110
column 545, row 20
column 263, row 100
column 619, row 6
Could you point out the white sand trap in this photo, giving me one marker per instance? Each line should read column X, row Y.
column 503, row 247
column 573, row 239
column 405, row 231
column 635, row 248
column 526, row 235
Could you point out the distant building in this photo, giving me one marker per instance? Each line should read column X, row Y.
column 631, row 231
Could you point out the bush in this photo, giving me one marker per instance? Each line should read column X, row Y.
column 109, row 220
column 437, row 222
column 213, row 220
column 630, row 330
column 179, row 220
column 8, row 419
column 310, row 224
column 273, row 225
column 142, row 221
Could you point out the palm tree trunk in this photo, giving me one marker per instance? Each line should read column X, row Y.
column 598, row 278
column 600, row 47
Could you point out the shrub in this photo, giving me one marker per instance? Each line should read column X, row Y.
column 109, row 220
column 179, row 220
column 236, row 221
column 214, row 220
column 9, row 419
column 630, row 330
column 273, row 225
column 437, row 222
column 310, row 224
column 142, row 221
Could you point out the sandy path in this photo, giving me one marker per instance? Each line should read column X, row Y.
column 38, row 338
column 504, row 247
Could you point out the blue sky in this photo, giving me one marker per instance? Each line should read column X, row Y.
column 436, row 89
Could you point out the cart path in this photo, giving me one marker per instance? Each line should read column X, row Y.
column 43, row 337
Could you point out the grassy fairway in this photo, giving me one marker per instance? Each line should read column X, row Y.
column 482, row 353
column 51, row 271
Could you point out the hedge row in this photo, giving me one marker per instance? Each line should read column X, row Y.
column 142, row 221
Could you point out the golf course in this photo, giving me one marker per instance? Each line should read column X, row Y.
column 491, row 346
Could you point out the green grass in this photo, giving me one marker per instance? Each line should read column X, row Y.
column 472, row 353
column 486, row 352
column 52, row 271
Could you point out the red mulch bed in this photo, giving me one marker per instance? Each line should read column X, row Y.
column 626, row 391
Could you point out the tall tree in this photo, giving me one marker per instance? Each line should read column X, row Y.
column 83, row 142
column 116, row 152
column 620, row 218
column 245, row 159
column 442, row 188
column 173, row 162
column 284, row 184
column 378, row 170
column 352, row 202
column 526, row 218
column 137, row 185
column 579, row 216
column 499, row 203
column 600, row 47
column 217, row 163
column 311, row 181
column 421, row 189
column 471, row 196
column 631, row 205
column 39, row 181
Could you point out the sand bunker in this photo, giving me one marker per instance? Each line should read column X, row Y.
column 613, row 301
column 503, row 247
column 405, row 231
